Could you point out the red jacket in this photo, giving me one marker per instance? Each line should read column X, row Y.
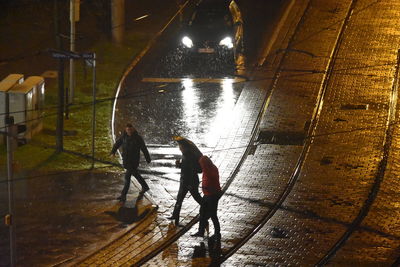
column 210, row 181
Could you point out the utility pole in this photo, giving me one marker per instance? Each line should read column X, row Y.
column 60, row 111
column 9, row 218
column 61, row 55
column 56, row 24
column 117, row 20
column 73, row 17
column 94, row 107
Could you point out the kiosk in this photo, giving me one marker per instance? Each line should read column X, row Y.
column 26, row 103
column 5, row 85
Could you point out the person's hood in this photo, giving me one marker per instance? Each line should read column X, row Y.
column 206, row 163
column 190, row 147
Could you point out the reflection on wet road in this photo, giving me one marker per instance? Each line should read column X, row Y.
column 174, row 96
column 196, row 102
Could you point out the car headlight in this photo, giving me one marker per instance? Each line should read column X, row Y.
column 227, row 41
column 186, row 41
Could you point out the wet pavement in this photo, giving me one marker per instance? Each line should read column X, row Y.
column 206, row 109
column 187, row 107
column 75, row 212
column 327, row 196
column 339, row 212
column 308, row 155
column 65, row 215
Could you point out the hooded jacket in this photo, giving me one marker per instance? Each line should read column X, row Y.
column 131, row 146
column 190, row 162
column 189, row 170
column 210, row 181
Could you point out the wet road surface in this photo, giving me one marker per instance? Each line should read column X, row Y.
column 168, row 98
column 61, row 217
column 329, row 198
column 195, row 99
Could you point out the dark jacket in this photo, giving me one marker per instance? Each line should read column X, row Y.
column 131, row 146
column 190, row 169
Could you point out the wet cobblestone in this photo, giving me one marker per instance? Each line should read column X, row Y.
column 378, row 236
column 226, row 155
column 351, row 143
column 341, row 163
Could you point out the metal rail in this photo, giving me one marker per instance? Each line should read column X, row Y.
column 187, row 227
column 308, row 142
column 390, row 123
column 303, row 155
column 390, row 127
column 254, row 135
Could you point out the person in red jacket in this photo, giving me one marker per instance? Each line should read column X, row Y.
column 212, row 192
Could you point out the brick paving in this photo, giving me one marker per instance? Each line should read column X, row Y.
column 227, row 154
column 377, row 237
column 341, row 163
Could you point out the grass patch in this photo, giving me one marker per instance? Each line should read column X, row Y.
column 39, row 154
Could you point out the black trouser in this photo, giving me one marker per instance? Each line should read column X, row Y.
column 209, row 210
column 183, row 190
column 139, row 178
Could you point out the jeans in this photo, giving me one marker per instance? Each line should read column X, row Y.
column 139, row 178
column 209, row 210
column 183, row 190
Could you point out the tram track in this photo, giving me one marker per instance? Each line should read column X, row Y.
column 301, row 159
column 249, row 147
column 307, row 145
column 303, row 155
column 390, row 127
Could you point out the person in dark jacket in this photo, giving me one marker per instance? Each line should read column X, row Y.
column 212, row 192
column 189, row 180
column 131, row 143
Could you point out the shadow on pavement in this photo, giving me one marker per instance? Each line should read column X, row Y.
column 128, row 214
column 199, row 257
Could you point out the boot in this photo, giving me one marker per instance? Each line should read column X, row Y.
column 172, row 217
column 198, row 234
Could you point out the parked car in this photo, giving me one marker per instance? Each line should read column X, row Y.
column 215, row 27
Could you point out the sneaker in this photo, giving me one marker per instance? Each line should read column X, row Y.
column 176, row 219
column 172, row 217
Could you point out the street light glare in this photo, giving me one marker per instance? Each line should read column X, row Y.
column 227, row 41
column 187, row 42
